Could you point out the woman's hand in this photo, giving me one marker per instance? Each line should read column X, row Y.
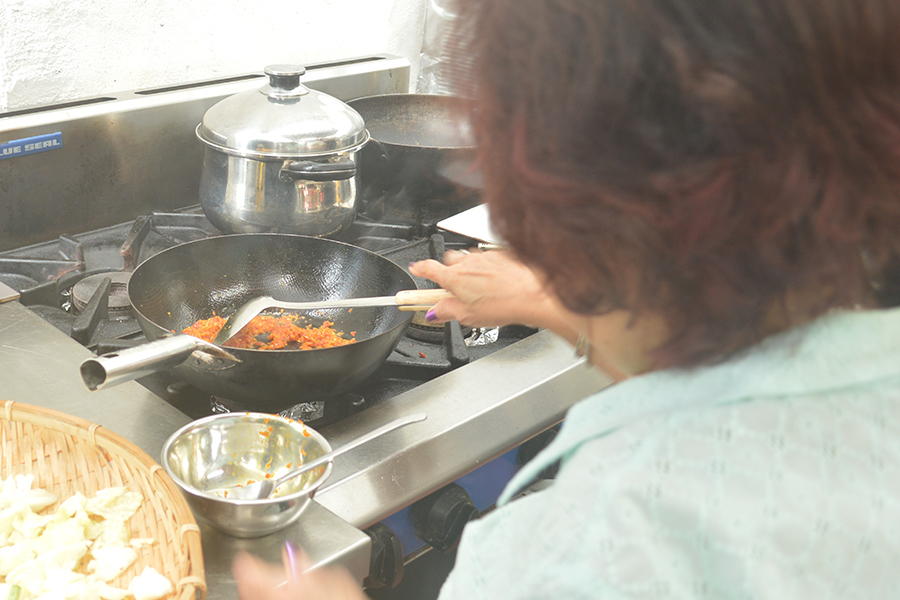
column 493, row 288
column 259, row 580
column 490, row 288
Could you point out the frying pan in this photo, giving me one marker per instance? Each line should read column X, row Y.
column 420, row 143
column 191, row 281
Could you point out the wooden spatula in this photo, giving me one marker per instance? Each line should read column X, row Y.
column 407, row 300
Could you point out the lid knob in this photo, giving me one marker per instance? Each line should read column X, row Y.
column 284, row 81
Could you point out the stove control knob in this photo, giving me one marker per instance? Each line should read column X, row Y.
column 386, row 562
column 439, row 518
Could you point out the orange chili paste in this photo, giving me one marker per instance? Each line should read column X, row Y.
column 278, row 331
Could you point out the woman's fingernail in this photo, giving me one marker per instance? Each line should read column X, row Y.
column 290, row 551
column 430, row 315
column 288, row 559
column 412, row 264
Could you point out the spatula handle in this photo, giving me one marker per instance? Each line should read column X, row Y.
column 421, row 297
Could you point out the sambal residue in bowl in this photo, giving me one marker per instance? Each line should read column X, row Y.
column 267, row 332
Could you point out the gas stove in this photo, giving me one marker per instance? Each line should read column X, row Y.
column 122, row 187
column 79, row 282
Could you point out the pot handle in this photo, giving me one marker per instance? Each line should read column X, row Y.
column 133, row 363
column 293, row 170
column 380, row 151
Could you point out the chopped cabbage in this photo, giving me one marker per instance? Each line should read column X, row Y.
column 114, row 503
column 74, row 552
column 111, row 561
column 150, row 585
column 18, row 488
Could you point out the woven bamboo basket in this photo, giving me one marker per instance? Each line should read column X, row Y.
column 67, row 454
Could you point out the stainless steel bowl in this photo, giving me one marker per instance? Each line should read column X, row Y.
column 215, row 461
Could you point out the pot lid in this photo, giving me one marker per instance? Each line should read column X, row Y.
column 283, row 119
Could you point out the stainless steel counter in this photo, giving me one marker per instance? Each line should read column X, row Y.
column 482, row 409
column 487, row 407
column 39, row 366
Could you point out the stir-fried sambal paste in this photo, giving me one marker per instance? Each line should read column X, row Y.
column 267, row 332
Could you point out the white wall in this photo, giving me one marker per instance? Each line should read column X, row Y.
column 55, row 50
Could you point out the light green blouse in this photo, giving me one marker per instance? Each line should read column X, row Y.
column 774, row 475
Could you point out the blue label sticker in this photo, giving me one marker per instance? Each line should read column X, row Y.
column 31, row 145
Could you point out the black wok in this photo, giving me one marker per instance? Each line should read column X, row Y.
column 419, row 143
column 192, row 281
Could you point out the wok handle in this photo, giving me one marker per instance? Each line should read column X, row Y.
column 133, row 363
column 415, row 299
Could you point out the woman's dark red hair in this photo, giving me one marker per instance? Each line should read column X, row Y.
column 695, row 159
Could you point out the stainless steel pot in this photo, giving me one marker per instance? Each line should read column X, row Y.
column 282, row 159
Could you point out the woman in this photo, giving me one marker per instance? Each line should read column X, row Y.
column 706, row 194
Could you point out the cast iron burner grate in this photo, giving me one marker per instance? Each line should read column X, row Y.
column 401, row 207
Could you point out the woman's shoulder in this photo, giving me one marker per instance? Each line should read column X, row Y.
column 817, row 439
column 782, row 497
column 772, row 472
column 786, row 495
column 846, row 361
column 778, row 447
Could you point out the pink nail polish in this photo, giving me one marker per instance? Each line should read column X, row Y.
column 430, row 315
